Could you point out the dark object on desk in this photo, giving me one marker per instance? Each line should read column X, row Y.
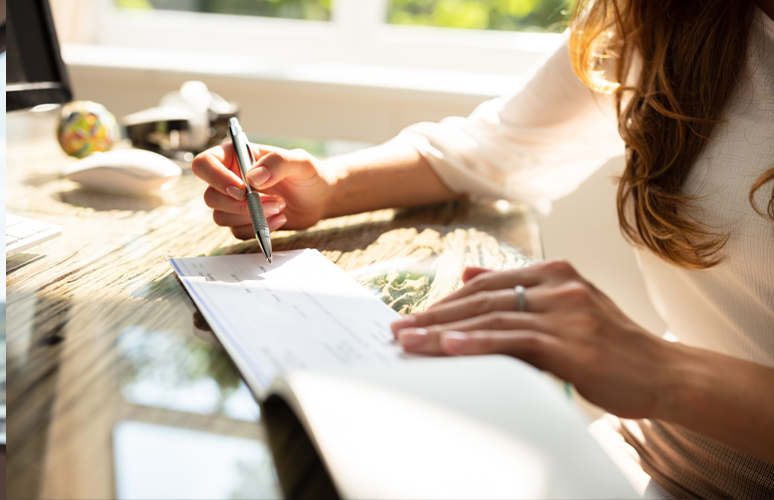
column 35, row 73
column 300, row 470
column 187, row 121
column 2, row 36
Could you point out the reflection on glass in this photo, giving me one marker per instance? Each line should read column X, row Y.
column 510, row 15
column 166, row 370
column 161, row 462
column 410, row 285
column 314, row 10
column 404, row 285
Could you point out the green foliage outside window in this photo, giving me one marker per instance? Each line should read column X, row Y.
column 507, row 15
column 317, row 10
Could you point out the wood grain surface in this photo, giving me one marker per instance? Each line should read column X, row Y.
column 100, row 331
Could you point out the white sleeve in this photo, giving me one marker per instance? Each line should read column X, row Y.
column 534, row 145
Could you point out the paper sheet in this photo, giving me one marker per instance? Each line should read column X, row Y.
column 299, row 312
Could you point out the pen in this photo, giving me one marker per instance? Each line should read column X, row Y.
column 245, row 160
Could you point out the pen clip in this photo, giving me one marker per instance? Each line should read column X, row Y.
column 251, row 158
column 250, row 154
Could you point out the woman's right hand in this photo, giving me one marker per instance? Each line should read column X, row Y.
column 293, row 186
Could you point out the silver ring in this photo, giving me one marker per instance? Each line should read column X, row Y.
column 521, row 298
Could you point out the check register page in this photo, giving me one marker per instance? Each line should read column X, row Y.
column 299, row 312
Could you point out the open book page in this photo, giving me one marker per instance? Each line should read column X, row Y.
column 300, row 312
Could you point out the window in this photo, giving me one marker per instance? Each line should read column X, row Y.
column 497, row 36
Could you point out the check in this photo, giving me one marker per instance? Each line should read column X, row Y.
column 299, row 313
column 316, row 349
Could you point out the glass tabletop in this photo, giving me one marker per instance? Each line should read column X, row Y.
column 116, row 389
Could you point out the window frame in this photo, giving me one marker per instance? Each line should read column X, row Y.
column 356, row 34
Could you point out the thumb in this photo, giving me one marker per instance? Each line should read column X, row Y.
column 268, row 170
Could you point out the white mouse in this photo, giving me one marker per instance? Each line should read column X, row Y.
column 128, row 170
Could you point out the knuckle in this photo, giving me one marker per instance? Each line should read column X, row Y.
column 196, row 165
column 575, row 292
column 239, row 233
column 300, row 156
column 589, row 320
column 560, row 267
column 478, row 284
column 201, row 163
column 219, row 218
column 426, row 318
column 485, row 343
column 273, row 159
column 497, row 320
column 482, row 301
column 209, row 197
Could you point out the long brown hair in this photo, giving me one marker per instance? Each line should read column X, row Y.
column 692, row 54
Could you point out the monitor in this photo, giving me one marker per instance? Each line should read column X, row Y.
column 35, row 72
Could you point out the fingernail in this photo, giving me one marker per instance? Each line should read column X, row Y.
column 282, row 204
column 235, row 193
column 271, row 207
column 402, row 323
column 411, row 339
column 455, row 341
column 258, row 176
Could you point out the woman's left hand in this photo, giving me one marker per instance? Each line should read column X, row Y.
column 568, row 328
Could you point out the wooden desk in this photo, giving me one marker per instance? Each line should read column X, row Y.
column 100, row 331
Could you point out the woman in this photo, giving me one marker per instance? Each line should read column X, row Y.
column 687, row 90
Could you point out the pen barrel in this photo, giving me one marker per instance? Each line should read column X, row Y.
column 261, row 227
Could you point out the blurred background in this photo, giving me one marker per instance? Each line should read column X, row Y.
column 327, row 69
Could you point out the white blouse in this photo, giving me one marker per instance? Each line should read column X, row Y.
column 539, row 143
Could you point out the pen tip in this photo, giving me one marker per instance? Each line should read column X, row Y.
column 269, row 260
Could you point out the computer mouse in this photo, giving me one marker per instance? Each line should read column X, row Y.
column 128, row 170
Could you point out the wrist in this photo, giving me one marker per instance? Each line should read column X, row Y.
column 334, row 177
column 685, row 378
